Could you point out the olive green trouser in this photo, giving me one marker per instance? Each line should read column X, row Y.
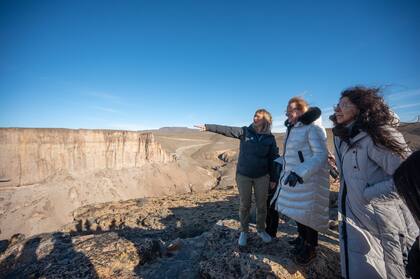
column 245, row 186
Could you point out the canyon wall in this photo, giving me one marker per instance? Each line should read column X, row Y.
column 29, row 156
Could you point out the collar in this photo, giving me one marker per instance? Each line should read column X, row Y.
column 265, row 132
column 310, row 116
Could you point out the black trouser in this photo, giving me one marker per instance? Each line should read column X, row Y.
column 272, row 219
column 308, row 234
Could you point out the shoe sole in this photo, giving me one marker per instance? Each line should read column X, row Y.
column 265, row 241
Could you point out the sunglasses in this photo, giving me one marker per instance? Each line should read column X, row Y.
column 344, row 106
column 288, row 112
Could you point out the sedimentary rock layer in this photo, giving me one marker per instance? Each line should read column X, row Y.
column 29, row 156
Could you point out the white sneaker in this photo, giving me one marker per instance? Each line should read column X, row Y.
column 242, row 239
column 264, row 236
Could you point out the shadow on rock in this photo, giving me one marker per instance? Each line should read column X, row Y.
column 46, row 256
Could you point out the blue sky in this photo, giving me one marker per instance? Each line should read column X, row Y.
column 146, row 64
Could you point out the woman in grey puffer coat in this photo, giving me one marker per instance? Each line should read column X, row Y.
column 376, row 228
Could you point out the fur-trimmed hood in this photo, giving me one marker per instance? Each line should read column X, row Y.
column 310, row 116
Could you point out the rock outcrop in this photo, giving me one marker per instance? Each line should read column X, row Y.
column 187, row 236
column 30, row 156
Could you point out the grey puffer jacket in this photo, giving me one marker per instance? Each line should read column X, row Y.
column 376, row 227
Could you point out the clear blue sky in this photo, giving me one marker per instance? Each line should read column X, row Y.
column 148, row 64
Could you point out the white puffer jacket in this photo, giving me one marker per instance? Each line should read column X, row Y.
column 306, row 203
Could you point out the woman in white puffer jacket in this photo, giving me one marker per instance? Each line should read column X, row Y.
column 303, row 194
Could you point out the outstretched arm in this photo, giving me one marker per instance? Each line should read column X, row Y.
column 228, row 131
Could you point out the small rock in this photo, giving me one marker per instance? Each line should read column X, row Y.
column 16, row 238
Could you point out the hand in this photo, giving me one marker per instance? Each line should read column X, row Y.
column 273, row 185
column 331, row 160
column 292, row 179
column 202, row 128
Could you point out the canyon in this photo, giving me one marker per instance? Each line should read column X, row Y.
column 139, row 204
column 48, row 173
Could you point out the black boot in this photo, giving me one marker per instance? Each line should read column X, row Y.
column 271, row 233
column 306, row 254
column 298, row 246
column 295, row 241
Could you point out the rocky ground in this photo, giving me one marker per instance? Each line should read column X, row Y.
column 188, row 236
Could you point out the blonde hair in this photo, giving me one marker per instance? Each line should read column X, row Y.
column 301, row 103
column 266, row 115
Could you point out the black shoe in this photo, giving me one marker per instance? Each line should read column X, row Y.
column 306, row 255
column 295, row 241
column 298, row 246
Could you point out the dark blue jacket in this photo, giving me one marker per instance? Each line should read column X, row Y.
column 257, row 152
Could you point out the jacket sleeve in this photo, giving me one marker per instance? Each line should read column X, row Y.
column 274, row 167
column 389, row 162
column 233, row 132
column 318, row 143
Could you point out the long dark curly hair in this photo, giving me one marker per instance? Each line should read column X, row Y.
column 375, row 118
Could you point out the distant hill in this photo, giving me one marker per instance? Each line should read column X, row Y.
column 411, row 132
column 176, row 130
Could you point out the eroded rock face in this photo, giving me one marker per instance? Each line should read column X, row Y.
column 45, row 174
column 185, row 236
column 31, row 156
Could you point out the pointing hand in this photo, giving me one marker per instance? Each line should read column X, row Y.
column 202, row 128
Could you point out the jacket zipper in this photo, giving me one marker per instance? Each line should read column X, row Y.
column 355, row 159
column 343, row 204
column 343, row 212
